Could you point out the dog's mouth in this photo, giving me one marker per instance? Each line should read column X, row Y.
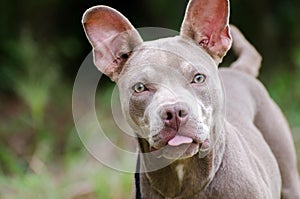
column 180, row 147
column 180, row 141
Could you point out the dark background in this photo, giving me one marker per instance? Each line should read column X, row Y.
column 272, row 26
column 42, row 45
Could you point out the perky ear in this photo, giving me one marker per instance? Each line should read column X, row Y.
column 206, row 22
column 113, row 39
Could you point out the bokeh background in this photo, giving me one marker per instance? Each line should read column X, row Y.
column 42, row 45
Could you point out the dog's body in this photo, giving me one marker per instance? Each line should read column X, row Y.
column 224, row 136
column 242, row 164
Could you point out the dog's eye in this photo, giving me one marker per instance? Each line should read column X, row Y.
column 199, row 78
column 139, row 87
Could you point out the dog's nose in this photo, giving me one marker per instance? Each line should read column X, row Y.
column 174, row 115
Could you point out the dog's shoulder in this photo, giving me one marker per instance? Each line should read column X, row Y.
column 242, row 90
column 240, row 159
column 240, row 79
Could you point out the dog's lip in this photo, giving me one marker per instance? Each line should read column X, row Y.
column 205, row 144
column 153, row 149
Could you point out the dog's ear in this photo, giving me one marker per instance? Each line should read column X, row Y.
column 206, row 22
column 113, row 39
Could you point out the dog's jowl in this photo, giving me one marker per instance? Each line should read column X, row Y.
column 216, row 128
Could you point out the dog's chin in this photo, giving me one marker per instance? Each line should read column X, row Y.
column 182, row 151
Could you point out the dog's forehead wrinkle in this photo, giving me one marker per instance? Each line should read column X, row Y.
column 161, row 50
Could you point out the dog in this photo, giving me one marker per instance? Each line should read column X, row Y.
column 220, row 133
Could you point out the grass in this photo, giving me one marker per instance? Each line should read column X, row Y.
column 94, row 181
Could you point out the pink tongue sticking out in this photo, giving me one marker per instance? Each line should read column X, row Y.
column 178, row 140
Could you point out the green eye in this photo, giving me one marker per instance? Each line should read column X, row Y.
column 199, row 78
column 139, row 87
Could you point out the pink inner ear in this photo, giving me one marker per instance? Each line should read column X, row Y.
column 207, row 23
column 104, row 23
column 111, row 36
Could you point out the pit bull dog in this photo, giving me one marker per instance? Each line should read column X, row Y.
column 219, row 131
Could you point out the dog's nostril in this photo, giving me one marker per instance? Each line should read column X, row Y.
column 182, row 113
column 169, row 116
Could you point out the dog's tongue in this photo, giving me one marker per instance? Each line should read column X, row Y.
column 178, row 140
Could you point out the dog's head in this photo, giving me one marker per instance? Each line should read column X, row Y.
column 170, row 90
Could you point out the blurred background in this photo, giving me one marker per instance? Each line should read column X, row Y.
column 42, row 45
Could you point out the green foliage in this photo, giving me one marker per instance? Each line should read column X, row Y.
column 30, row 186
column 284, row 88
column 76, row 175
column 35, row 77
column 113, row 184
column 8, row 162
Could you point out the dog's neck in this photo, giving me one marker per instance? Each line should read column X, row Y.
column 180, row 179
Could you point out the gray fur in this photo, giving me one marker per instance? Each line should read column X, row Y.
column 242, row 146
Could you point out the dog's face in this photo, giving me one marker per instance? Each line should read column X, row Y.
column 170, row 91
